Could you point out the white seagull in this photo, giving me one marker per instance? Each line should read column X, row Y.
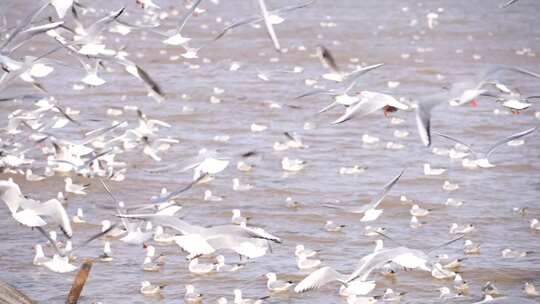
column 482, row 159
column 370, row 210
column 29, row 212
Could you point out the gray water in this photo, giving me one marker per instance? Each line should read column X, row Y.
column 373, row 31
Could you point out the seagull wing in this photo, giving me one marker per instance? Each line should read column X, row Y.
column 319, row 278
column 364, row 107
column 248, row 247
column 25, row 22
column 507, row 4
column 186, row 16
column 377, row 199
column 269, row 26
column 248, row 20
column 97, row 27
column 292, row 7
column 11, row 194
column 257, row 18
column 29, row 33
column 326, row 58
column 239, row 231
column 54, row 209
column 377, row 259
column 167, row 221
column 195, row 244
column 176, row 193
column 497, row 69
column 317, row 92
column 509, row 138
column 455, row 140
column 354, row 76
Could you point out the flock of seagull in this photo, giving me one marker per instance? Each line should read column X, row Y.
column 32, row 148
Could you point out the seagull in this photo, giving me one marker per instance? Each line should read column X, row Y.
column 330, row 226
column 415, row 223
column 303, row 262
column 294, row 141
column 149, row 265
column 438, row 272
column 237, row 217
column 107, row 253
column 222, row 267
column 354, row 299
column 301, row 250
column 208, row 196
column 456, row 263
column 508, row 253
column 161, row 237
column 74, row 188
column 456, row 229
column 237, row 186
column 356, row 288
column 328, row 61
column 482, row 159
column 340, row 93
column 79, row 218
column 59, row 264
column 269, row 17
column 222, row 300
column 448, row 186
column 490, row 289
column 114, row 232
column 269, row 21
column 175, row 37
column 197, row 240
column 423, row 115
column 275, row 285
column 22, row 30
column 191, row 296
column 530, row 290
column 430, row 171
column 508, row 3
column 471, row 248
column 446, row 294
column 238, row 299
column 40, row 259
column 460, row 285
column 467, row 91
column 29, row 212
column 292, row 165
column 463, row 92
column 370, row 210
column 392, row 296
column 403, row 256
column 195, row 267
column 535, row 224
column 150, row 289
column 367, row 102
column 418, row 212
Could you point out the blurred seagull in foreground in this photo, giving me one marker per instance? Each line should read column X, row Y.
column 405, row 257
column 270, row 19
column 29, row 212
column 482, row 159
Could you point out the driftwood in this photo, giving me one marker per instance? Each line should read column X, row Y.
column 78, row 283
column 11, row 295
